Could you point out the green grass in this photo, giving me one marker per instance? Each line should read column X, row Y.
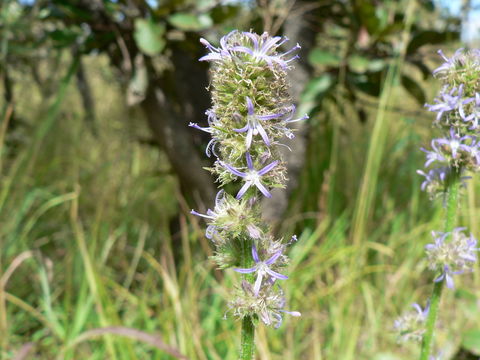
column 87, row 242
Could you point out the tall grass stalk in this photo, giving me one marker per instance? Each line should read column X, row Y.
column 378, row 138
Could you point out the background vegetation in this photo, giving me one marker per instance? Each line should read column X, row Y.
column 99, row 256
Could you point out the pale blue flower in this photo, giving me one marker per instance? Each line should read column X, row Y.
column 251, row 176
column 434, row 176
column 433, row 155
column 454, row 142
column 289, row 119
column 254, row 124
column 411, row 325
column 224, row 51
column 454, row 257
column 262, row 268
column 449, row 101
column 474, row 116
column 449, row 62
column 264, row 48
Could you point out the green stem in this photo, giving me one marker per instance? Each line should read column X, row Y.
column 248, row 339
column 450, row 217
column 247, row 345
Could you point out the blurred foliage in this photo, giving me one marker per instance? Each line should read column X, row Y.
column 357, row 41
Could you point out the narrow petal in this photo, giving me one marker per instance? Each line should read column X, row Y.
column 275, row 274
column 245, row 271
column 418, row 308
column 242, row 49
column 193, row 212
column 293, row 313
column 449, row 281
column 263, row 134
column 268, row 168
column 233, row 170
column 243, row 190
column 253, row 38
column 296, row 47
column 208, row 45
column 255, row 254
column 263, row 189
column 274, row 257
column 248, row 140
column 250, row 107
column 211, row 57
column 249, row 160
column 270, row 117
column 258, row 283
column 245, row 128
column 304, row 117
column 196, row 126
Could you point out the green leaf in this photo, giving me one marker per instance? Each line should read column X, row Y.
column 358, row 63
column 149, row 36
column 367, row 15
column 64, row 37
column 314, row 91
column 325, row 58
column 190, row 22
column 471, row 341
column 414, row 89
column 429, row 37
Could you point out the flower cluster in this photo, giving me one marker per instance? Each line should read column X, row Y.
column 249, row 118
column 453, row 257
column 450, row 156
column 457, row 109
column 411, row 325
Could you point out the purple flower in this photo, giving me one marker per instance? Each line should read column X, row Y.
column 453, row 257
column 211, row 230
column 218, row 53
column 448, row 101
column 254, row 126
column 447, row 275
column 435, row 155
column 474, row 117
column 212, row 122
column 251, row 176
column 474, row 150
column 264, row 49
column 454, row 143
column 262, row 268
column 288, row 133
column 411, row 325
column 274, row 316
column 449, row 63
column 422, row 314
column 208, row 129
column 434, row 176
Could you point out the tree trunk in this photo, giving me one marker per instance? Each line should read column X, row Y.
column 169, row 125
